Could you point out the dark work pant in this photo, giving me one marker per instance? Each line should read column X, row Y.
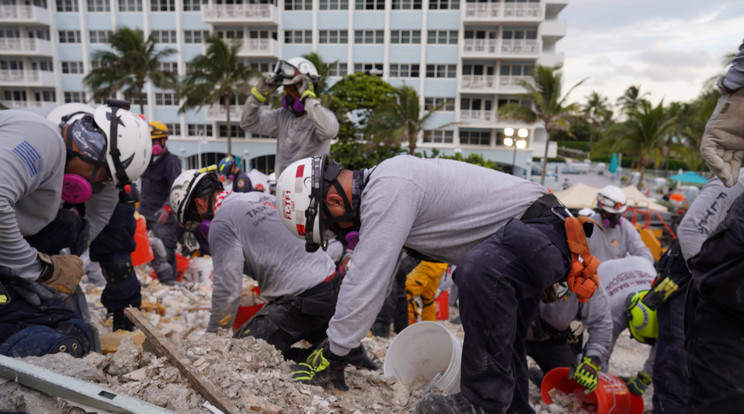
column 500, row 282
column 67, row 230
column 551, row 354
column 395, row 308
column 671, row 387
column 112, row 249
column 286, row 320
column 168, row 233
column 714, row 338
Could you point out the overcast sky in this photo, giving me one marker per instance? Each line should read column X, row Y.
column 668, row 47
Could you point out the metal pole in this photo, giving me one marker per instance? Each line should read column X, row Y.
column 514, row 158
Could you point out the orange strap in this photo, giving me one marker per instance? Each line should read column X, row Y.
column 582, row 278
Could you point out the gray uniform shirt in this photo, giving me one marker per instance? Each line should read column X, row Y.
column 706, row 213
column 595, row 316
column 620, row 278
column 735, row 76
column 618, row 242
column 32, row 161
column 248, row 230
column 297, row 137
column 441, row 208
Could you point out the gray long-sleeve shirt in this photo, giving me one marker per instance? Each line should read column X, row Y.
column 32, row 161
column 297, row 137
column 441, row 208
column 248, row 230
column 595, row 316
column 734, row 78
column 620, row 278
column 617, row 242
column 706, row 213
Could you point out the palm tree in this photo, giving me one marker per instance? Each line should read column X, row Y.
column 216, row 78
column 644, row 133
column 399, row 120
column 548, row 105
column 130, row 63
column 631, row 99
column 597, row 110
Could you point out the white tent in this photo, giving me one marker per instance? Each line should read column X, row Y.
column 578, row 196
column 257, row 177
column 636, row 198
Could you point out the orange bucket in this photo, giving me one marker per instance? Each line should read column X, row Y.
column 610, row 397
column 182, row 264
column 442, row 304
column 143, row 252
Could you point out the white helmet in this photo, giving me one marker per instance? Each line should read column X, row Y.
column 611, row 199
column 299, row 199
column 272, row 179
column 585, row 212
column 287, row 70
column 185, row 188
column 68, row 109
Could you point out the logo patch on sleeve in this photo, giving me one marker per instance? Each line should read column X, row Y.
column 28, row 155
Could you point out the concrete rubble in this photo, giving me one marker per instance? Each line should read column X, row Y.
column 239, row 368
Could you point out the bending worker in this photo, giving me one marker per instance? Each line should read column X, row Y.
column 509, row 246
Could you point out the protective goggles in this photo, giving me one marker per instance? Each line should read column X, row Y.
column 284, row 70
column 88, row 137
column 608, row 202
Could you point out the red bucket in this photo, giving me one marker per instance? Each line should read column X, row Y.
column 610, row 397
column 143, row 252
column 442, row 304
column 246, row 312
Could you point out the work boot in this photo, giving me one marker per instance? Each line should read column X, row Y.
column 381, row 329
column 121, row 322
column 447, row 404
column 535, row 375
column 360, row 359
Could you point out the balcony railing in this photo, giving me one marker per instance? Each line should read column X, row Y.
column 477, row 115
column 478, row 81
column 25, row 45
column 513, row 81
column 24, row 14
column 501, row 10
column 502, row 47
column 217, row 13
column 218, row 113
column 260, row 47
column 30, row 77
column 29, row 104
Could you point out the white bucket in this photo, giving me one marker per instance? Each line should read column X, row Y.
column 420, row 352
column 200, row 269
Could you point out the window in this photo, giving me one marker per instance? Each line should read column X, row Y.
column 235, row 131
column 259, row 136
column 72, row 67
column 444, row 4
column 404, row 70
column 44, row 65
column 334, row 36
column 298, row 36
column 230, row 34
column 164, row 36
column 168, row 67
column 193, row 5
column 438, row 137
column 77, row 96
column 405, row 36
column 475, row 137
column 166, row 98
column 516, row 69
column 370, row 68
column 69, row 36
column 14, row 95
column 298, row 5
column 441, row 71
column 442, row 37
column 334, row 4
column 431, row 103
column 194, row 36
column 130, row 5
column 370, row 5
column 67, row 5
column 263, row 67
column 338, row 69
column 39, row 34
column 406, row 4
column 46, row 96
column 174, row 129
column 98, row 36
column 369, row 36
column 137, row 101
column 199, row 130
column 163, row 5
column 99, row 6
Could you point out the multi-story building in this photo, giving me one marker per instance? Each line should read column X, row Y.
column 469, row 56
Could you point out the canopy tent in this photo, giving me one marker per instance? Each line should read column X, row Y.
column 636, row 198
column 578, row 196
column 689, row 177
column 257, row 177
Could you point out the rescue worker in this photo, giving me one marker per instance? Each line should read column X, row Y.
column 620, row 237
column 303, row 127
column 510, row 246
column 555, row 338
column 246, row 233
column 78, row 156
column 229, row 169
column 423, row 281
column 156, row 183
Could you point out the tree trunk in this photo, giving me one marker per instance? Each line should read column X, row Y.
column 229, row 136
column 545, row 157
column 141, row 100
column 642, row 170
column 412, row 137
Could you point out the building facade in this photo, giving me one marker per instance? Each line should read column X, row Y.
column 467, row 55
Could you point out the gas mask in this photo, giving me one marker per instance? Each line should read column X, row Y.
column 610, row 220
column 293, row 105
column 157, row 149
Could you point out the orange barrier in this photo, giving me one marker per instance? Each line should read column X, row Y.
column 143, row 252
column 610, row 397
column 442, row 304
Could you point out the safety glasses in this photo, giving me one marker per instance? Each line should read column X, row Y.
column 285, row 70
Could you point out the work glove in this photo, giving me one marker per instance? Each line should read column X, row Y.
column 723, row 139
column 637, row 385
column 304, row 86
column 263, row 89
column 587, row 373
column 360, row 359
column 162, row 215
column 62, row 272
column 322, row 367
